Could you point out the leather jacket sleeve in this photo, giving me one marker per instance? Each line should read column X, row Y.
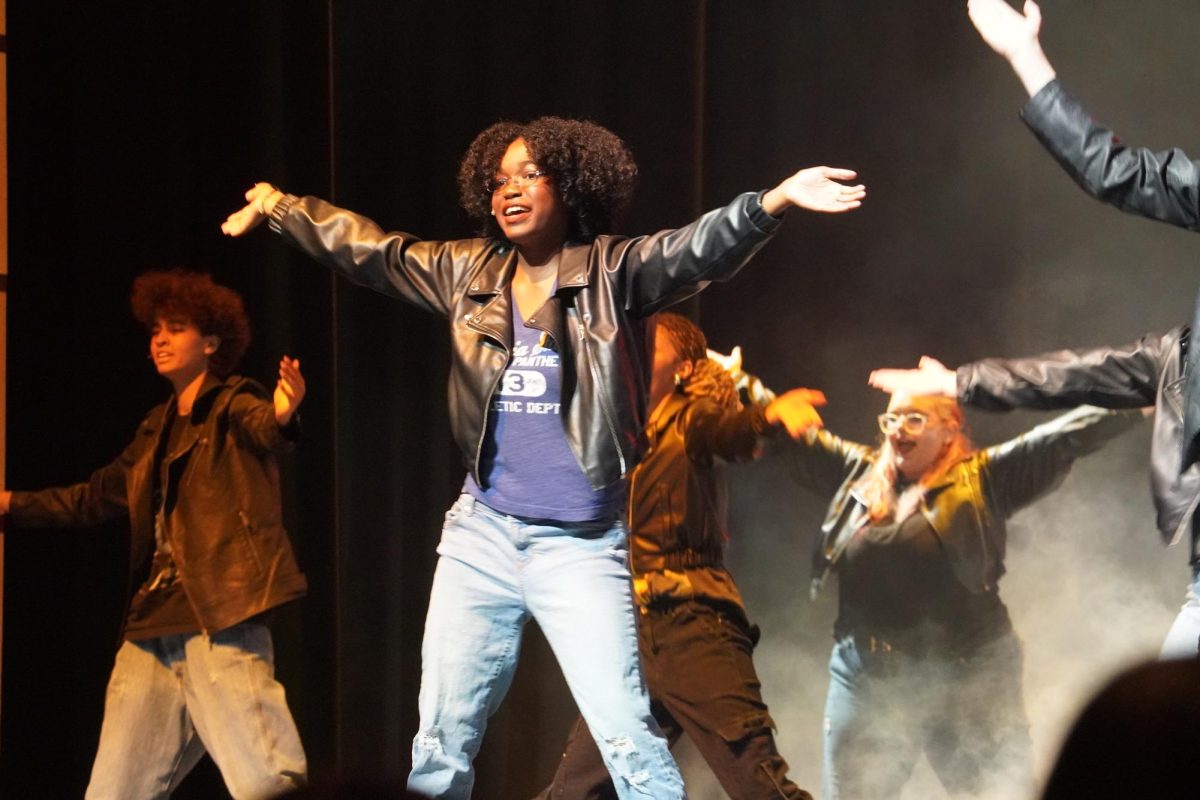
column 821, row 461
column 101, row 497
column 252, row 416
column 1161, row 185
column 730, row 435
column 399, row 265
column 1019, row 471
column 1109, row 377
column 663, row 268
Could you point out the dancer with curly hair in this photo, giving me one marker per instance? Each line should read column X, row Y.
column 549, row 375
column 694, row 635
column 925, row 660
column 208, row 554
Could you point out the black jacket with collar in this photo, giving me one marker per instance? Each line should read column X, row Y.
column 596, row 318
column 1161, row 185
column 968, row 508
column 223, row 513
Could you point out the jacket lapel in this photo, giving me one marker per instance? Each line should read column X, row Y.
column 490, row 287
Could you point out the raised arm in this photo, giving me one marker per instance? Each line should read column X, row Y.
column 1163, row 185
column 268, row 424
column 666, row 267
column 1015, row 37
column 289, row 390
column 1023, row 469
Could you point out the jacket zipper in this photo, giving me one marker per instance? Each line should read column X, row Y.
column 608, row 420
column 487, row 405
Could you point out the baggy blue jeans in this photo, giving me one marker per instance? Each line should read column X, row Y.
column 494, row 573
column 172, row 697
column 1183, row 639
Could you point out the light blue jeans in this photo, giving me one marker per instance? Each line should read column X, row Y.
column 886, row 708
column 1183, row 639
column 494, row 573
column 170, row 698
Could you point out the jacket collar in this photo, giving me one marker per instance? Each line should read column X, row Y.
column 205, row 395
column 491, row 286
column 498, row 270
column 664, row 413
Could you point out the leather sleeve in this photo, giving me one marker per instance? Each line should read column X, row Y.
column 1120, row 377
column 395, row 264
column 1023, row 469
column 663, row 268
column 730, row 435
column 1161, row 185
column 252, row 417
column 820, row 461
column 101, row 497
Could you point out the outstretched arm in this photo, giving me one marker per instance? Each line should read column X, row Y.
column 1124, row 377
column 1025, row 468
column 1015, row 37
column 816, row 189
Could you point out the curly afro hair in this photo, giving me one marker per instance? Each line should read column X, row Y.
column 591, row 167
column 216, row 310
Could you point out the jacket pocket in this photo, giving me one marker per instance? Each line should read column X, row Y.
column 248, row 536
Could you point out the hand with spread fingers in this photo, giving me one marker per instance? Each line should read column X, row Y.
column 816, row 189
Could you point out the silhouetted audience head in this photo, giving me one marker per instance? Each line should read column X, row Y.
column 1136, row 739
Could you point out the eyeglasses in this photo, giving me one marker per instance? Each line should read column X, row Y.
column 527, row 178
column 911, row 423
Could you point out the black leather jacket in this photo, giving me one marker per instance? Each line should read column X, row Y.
column 1160, row 185
column 677, row 494
column 1165, row 186
column 1146, row 372
column 969, row 506
column 224, row 519
column 596, row 317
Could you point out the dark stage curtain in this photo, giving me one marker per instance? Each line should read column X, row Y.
column 135, row 127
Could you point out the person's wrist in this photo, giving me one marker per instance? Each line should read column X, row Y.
column 266, row 203
column 279, row 208
column 1030, row 64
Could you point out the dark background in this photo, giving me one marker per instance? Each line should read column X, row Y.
column 134, row 129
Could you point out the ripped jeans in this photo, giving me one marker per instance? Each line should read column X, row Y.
column 494, row 573
column 700, row 669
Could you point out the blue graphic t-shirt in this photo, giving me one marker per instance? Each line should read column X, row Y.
column 526, row 464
